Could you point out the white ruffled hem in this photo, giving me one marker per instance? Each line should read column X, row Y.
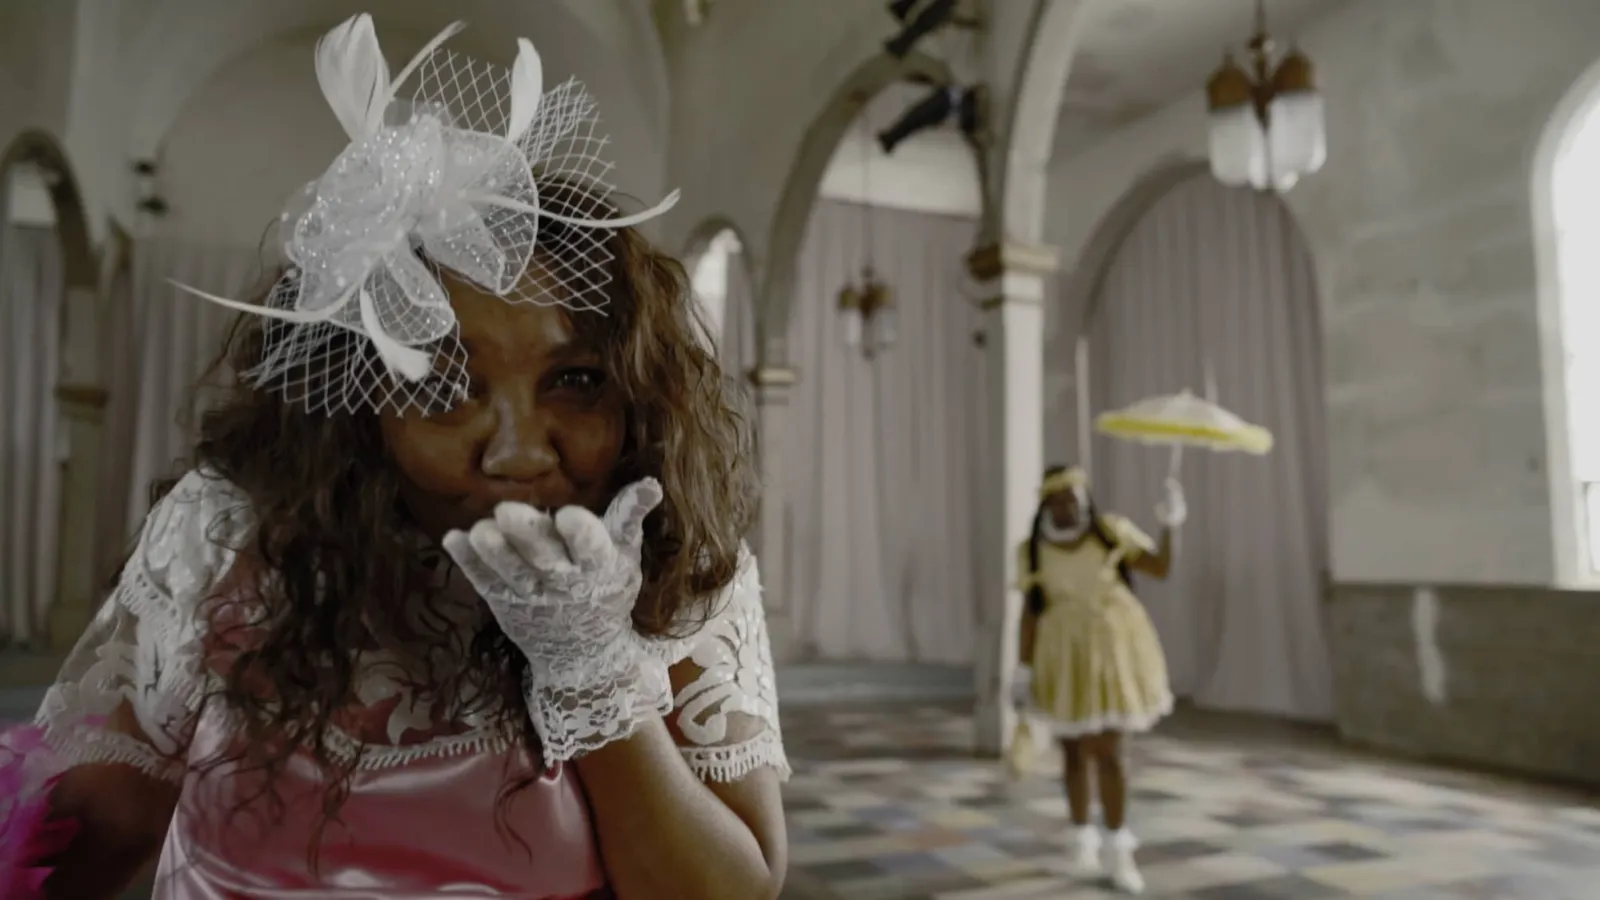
column 1130, row 723
column 731, row 763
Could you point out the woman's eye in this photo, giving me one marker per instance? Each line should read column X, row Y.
column 579, row 379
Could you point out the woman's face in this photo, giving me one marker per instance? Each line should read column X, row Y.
column 1065, row 508
column 541, row 425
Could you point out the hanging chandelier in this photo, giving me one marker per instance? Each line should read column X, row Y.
column 867, row 315
column 867, row 319
column 1268, row 128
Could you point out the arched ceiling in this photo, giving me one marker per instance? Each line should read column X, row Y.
column 1135, row 56
column 173, row 46
column 22, row 45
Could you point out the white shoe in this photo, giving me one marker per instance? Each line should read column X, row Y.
column 1083, row 850
column 1125, row 875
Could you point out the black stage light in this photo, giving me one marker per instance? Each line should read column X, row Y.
column 932, row 15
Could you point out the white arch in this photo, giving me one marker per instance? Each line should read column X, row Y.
column 1050, row 33
column 1578, row 105
column 775, row 300
column 709, row 272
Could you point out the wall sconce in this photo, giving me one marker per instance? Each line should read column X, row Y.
column 867, row 319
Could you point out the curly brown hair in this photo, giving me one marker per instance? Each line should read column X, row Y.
column 325, row 498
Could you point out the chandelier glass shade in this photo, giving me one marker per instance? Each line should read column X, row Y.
column 867, row 317
column 1268, row 125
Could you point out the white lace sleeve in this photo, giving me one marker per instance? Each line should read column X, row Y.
column 725, row 703
column 130, row 689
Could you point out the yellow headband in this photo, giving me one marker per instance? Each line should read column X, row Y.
column 1066, row 480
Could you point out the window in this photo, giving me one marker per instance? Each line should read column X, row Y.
column 1575, row 187
column 1591, row 526
column 709, row 278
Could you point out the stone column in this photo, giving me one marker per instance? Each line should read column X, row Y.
column 82, row 411
column 80, row 399
column 772, row 386
column 1014, row 275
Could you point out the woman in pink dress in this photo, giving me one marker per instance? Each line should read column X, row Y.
column 453, row 602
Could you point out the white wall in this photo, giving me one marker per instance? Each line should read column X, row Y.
column 936, row 174
column 243, row 144
column 1422, row 228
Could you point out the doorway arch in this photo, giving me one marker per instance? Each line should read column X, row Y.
column 39, row 149
column 775, row 300
column 77, row 397
column 776, row 383
column 721, row 274
column 1203, row 287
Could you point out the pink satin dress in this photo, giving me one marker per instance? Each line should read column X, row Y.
column 428, row 829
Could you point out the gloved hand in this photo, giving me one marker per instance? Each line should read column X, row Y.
column 563, row 588
column 1173, row 510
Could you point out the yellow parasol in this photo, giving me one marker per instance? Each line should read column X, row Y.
column 1184, row 420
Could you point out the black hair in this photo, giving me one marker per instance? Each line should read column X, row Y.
column 1097, row 527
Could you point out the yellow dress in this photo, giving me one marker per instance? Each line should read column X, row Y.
column 1097, row 662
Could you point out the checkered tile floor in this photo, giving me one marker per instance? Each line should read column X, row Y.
column 889, row 803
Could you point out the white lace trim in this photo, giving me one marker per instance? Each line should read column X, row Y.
column 157, row 671
column 344, row 749
column 1129, row 723
column 82, row 746
column 731, row 763
column 575, row 719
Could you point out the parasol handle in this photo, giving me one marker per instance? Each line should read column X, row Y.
column 1175, row 462
column 1080, row 363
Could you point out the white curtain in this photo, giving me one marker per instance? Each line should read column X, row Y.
column 1216, row 285
column 172, row 338
column 161, row 341
column 884, row 452
column 32, row 296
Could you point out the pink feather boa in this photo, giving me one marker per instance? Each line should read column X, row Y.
column 29, row 769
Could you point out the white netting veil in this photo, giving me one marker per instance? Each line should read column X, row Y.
column 457, row 177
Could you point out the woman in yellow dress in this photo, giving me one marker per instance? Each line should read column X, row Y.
column 1097, row 668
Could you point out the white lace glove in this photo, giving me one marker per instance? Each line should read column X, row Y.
column 563, row 588
column 1173, row 510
